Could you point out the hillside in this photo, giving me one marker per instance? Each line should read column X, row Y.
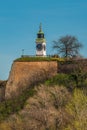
column 48, row 106
column 43, row 99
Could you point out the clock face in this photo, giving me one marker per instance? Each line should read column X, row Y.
column 39, row 47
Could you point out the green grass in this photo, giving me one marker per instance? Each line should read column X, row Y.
column 29, row 59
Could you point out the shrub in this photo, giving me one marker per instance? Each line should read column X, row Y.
column 77, row 108
column 40, row 111
column 14, row 105
column 61, row 79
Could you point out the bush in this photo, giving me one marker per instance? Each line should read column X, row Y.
column 14, row 105
column 41, row 111
column 77, row 108
column 61, row 79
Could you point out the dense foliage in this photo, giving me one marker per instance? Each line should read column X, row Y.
column 71, row 81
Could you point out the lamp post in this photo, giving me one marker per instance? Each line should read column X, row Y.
column 22, row 52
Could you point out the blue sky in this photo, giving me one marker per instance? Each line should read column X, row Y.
column 19, row 24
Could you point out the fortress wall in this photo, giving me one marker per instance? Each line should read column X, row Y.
column 72, row 66
column 25, row 74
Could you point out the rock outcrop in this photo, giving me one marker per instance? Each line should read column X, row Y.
column 26, row 74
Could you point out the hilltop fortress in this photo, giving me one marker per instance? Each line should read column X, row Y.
column 29, row 71
column 27, row 74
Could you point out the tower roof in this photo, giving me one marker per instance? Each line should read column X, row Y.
column 40, row 29
column 40, row 35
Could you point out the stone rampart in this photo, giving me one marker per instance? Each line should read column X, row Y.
column 27, row 74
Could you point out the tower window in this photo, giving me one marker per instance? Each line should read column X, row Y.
column 40, row 35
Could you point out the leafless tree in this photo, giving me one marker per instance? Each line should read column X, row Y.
column 67, row 46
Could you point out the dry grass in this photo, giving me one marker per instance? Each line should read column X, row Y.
column 51, row 108
column 43, row 111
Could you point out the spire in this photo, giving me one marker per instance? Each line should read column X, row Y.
column 40, row 27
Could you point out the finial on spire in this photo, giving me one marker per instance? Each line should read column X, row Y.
column 40, row 27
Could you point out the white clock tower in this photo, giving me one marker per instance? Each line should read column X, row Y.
column 40, row 43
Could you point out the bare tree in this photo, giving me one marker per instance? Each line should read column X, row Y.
column 67, row 46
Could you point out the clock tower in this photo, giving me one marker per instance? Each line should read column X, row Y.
column 40, row 43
